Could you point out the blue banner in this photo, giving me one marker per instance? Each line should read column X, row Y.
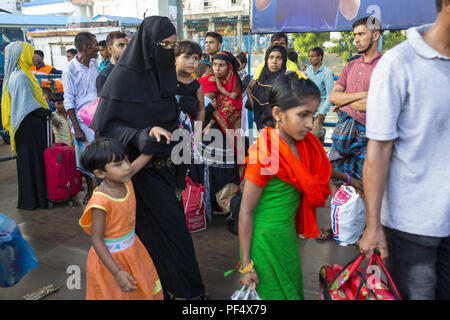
column 270, row 16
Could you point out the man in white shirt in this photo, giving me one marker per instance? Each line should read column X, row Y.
column 79, row 90
column 406, row 172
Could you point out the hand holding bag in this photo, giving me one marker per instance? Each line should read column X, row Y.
column 246, row 293
column 352, row 283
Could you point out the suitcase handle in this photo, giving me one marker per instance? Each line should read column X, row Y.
column 49, row 132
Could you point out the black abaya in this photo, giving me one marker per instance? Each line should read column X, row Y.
column 138, row 95
column 161, row 225
column 31, row 141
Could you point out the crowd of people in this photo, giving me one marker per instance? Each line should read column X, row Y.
column 389, row 144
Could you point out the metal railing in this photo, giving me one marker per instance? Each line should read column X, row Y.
column 46, row 77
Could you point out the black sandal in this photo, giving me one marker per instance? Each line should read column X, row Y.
column 325, row 234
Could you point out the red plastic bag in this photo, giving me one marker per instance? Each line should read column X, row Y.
column 194, row 206
column 353, row 283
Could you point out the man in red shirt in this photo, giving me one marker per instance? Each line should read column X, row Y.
column 349, row 95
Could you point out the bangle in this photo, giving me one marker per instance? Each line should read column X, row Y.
column 348, row 179
column 248, row 268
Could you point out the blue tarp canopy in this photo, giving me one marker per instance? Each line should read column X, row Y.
column 270, row 16
column 37, row 21
column 124, row 21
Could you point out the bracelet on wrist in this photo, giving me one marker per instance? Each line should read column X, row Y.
column 348, row 179
column 249, row 268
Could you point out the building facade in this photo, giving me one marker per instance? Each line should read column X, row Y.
column 135, row 8
column 227, row 17
column 142, row 8
column 59, row 7
column 12, row 6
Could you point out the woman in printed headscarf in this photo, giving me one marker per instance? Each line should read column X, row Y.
column 137, row 96
column 219, row 172
column 275, row 65
column 25, row 114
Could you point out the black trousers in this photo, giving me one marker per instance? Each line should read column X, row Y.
column 419, row 265
column 31, row 142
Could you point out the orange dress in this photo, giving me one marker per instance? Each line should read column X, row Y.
column 125, row 247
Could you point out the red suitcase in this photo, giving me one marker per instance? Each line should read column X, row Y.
column 62, row 177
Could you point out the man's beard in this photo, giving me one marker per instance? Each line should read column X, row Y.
column 367, row 49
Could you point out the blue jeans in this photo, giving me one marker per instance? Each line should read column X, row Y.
column 419, row 265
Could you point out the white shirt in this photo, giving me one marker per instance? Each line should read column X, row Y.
column 79, row 83
column 409, row 102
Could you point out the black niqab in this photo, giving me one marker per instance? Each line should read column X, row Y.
column 139, row 92
column 144, row 63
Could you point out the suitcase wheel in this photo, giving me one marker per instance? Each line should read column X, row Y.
column 50, row 204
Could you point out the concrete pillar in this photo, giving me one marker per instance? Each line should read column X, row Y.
column 182, row 34
column 239, row 33
column 211, row 24
column 185, row 31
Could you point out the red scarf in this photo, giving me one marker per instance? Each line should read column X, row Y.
column 310, row 175
column 208, row 86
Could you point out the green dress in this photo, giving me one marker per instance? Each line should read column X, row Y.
column 274, row 249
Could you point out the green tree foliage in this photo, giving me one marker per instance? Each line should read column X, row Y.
column 393, row 38
column 304, row 42
column 344, row 47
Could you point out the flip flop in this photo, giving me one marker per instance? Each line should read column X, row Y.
column 325, row 234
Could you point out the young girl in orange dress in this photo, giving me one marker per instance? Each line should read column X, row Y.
column 118, row 265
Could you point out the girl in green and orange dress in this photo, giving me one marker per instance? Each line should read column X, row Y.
column 118, row 265
column 286, row 178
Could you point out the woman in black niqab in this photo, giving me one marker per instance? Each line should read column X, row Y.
column 138, row 95
column 139, row 92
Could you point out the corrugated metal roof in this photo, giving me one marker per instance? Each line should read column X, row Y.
column 123, row 20
column 41, row 2
column 22, row 20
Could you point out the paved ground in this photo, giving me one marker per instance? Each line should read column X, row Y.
column 60, row 243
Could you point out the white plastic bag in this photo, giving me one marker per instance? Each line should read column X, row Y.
column 246, row 293
column 348, row 216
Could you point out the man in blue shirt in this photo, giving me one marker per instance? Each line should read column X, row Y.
column 213, row 44
column 324, row 79
column 106, row 55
